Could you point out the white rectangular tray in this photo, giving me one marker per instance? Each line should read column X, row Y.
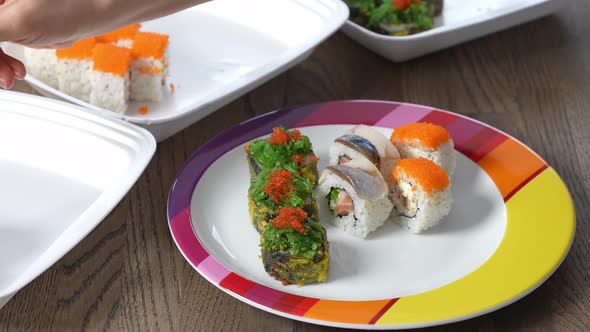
column 221, row 50
column 461, row 21
column 62, row 170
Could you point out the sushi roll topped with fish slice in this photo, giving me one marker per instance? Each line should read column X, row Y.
column 421, row 194
column 426, row 140
column 357, row 196
column 388, row 153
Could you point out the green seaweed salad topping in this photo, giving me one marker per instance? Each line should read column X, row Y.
column 374, row 13
column 301, row 188
column 270, row 155
column 293, row 242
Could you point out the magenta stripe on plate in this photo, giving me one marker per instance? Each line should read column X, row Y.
column 266, row 296
column 348, row 112
column 462, row 130
column 213, row 269
column 403, row 115
column 185, row 237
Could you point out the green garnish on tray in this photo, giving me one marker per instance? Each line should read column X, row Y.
column 395, row 17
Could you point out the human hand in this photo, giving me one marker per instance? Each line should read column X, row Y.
column 60, row 23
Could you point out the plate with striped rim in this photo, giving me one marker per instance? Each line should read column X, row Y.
column 483, row 257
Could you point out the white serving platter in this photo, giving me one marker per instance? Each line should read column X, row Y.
column 219, row 51
column 461, row 21
column 62, row 170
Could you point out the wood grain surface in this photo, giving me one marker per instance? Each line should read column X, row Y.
column 531, row 81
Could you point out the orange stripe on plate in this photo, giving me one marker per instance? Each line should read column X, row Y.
column 353, row 312
column 510, row 164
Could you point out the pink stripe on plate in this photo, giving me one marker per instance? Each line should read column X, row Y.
column 264, row 295
column 213, row 269
column 403, row 115
column 462, row 130
column 186, row 239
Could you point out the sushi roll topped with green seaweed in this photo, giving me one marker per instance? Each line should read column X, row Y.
column 286, row 149
column 395, row 17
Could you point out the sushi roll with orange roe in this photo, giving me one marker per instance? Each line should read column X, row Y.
column 73, row 69
column 426, row 140
column 421, row 194
column 149, row 66
column 110, row 77
column 122, row 37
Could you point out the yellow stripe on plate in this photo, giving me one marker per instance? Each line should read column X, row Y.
column 539, row 232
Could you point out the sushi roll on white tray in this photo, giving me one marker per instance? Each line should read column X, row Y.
column 426, row 140
column 149, row 66
column 421, row 194
column 357, row 196
column 388, row 153
column 122, row 37
column 73, row 69
column 110, row 77
column 41, row 64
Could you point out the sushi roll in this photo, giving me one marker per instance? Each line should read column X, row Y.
column 357, row 196
column 421, row 194
column 41, row 63
column 122, row 37
column 295, row 248
column 426, row 140
column 149, row 66
column 377, row 149
column 272, row 189
column 284, row 148
column 109, row 77
column 73, row 69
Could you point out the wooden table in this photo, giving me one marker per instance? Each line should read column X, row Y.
column 532, row 81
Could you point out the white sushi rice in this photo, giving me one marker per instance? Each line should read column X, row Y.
column 124, row 43
column 109, row 91
column 444, row 156
column 368, row 215
column 147, row 86
column 416, row 210
column 41, row 64
column 73, row 77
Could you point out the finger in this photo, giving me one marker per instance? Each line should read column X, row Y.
column 6, row 74
column 18, row 68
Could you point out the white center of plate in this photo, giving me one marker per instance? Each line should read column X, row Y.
column 389, row 263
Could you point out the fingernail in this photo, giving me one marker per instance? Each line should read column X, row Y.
column 2, row 84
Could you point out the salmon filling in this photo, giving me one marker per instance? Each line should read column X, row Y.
column 340, row 202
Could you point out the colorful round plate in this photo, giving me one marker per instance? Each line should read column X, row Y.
column 510, row 227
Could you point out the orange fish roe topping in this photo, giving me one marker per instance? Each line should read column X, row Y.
column 279, row 185
column 427, row 134
column 127, row 32
column 149, row 44
column 314, row 158
column 112, row 59
column 298, row 159
column 279, row 136
column 78, row 51
column 143, row 110
column 290, row 217
column 149, row 70
column 425, row 173
column 295, row 135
